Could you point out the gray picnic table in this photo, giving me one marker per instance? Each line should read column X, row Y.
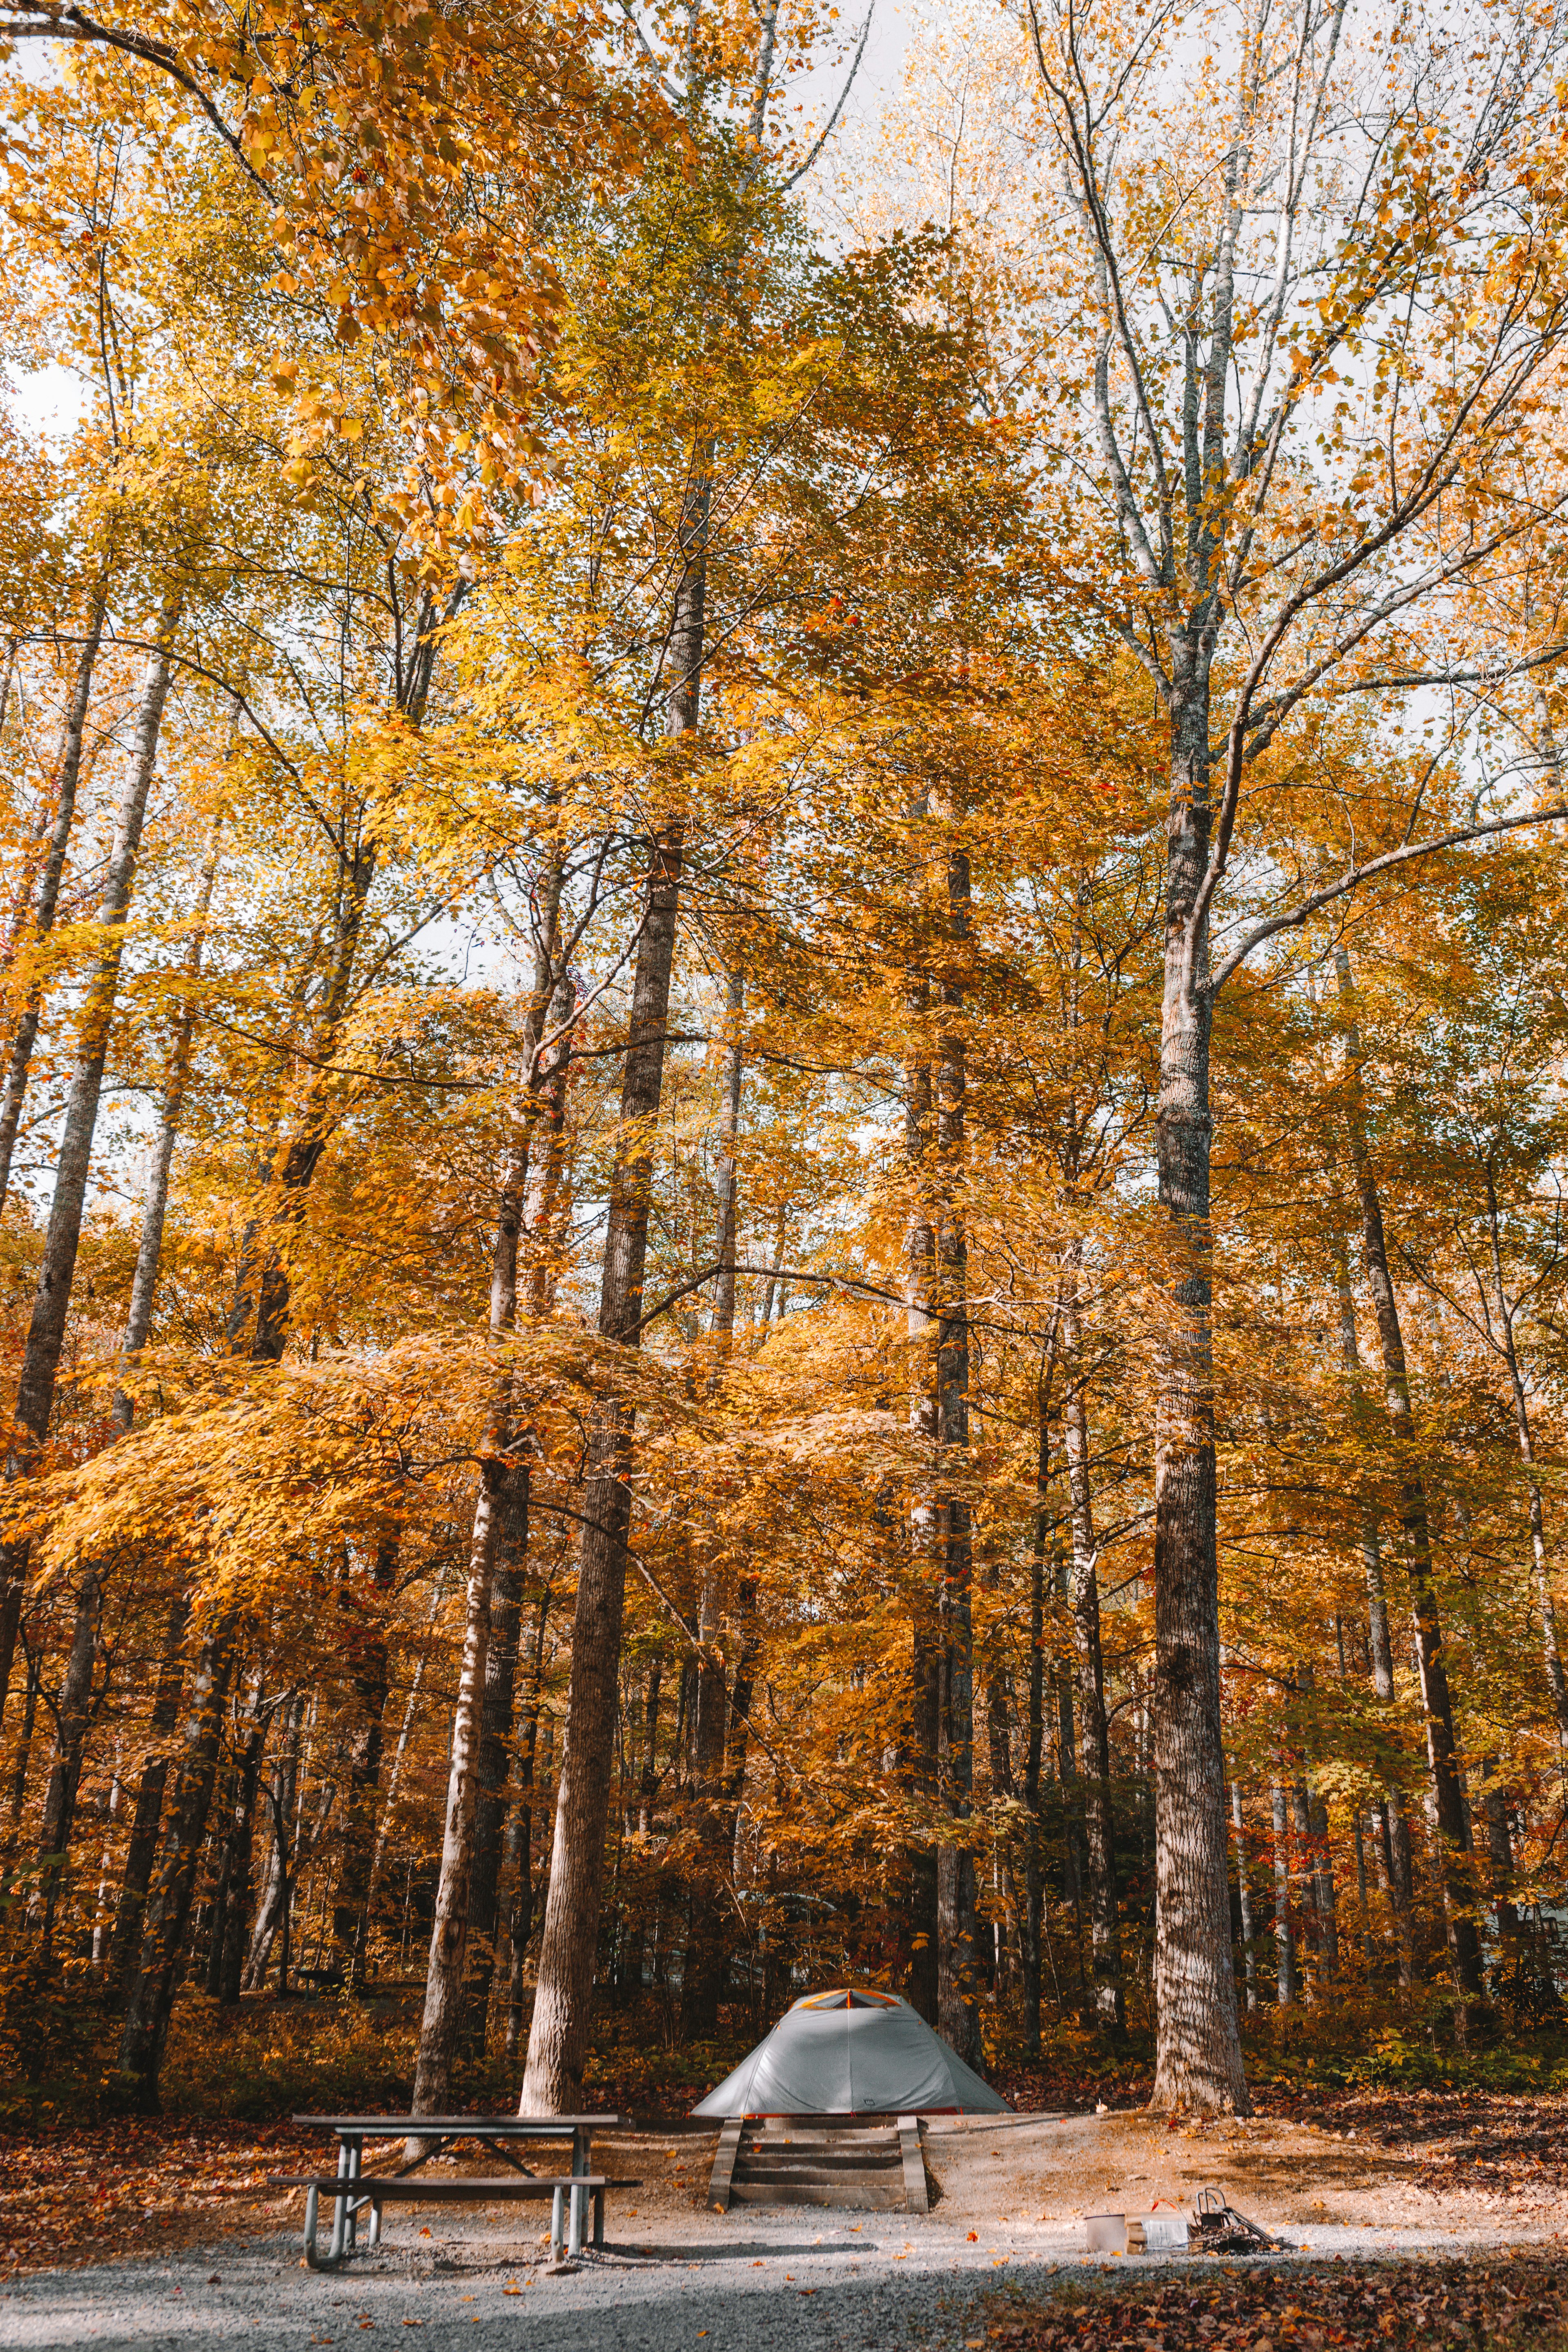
column 352, row 2190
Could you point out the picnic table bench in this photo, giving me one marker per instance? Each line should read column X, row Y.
column 352, row 2190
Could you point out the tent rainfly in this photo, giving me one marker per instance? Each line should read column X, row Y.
column 847, row 2053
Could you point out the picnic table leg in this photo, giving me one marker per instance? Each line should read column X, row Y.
column 555, row 2226
column 350, row 2209
column 574, row 2238
column 334, row 2253
column 375, row 2222
column 599, row 2218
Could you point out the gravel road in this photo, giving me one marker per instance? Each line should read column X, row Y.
column 796, row 2281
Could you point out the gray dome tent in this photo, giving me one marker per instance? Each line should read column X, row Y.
column 852, row 2052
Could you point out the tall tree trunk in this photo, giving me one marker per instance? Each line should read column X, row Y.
column 1380, row 1652
column 494, row 1794
column 558, row 2040
column 73, row 1711
column 47, row 1331
column 1199, row 2061
column 143, row 1845
column 72, row 736
column 1033, row 1919
column 920, row 1253
column 502, row 1464
column 957, row 1987
column 562, row 2005
column 1100, row 1835
column 168, row 1907
column 1442, row 1747
column 520, row 1827
column 707, row 1958
column 366, row 1643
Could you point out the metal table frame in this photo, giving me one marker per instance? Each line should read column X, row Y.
column 438, row 2133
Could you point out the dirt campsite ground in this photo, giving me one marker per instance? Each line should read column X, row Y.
column 143, row 2236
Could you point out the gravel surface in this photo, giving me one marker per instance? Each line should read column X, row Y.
column 802, row 2280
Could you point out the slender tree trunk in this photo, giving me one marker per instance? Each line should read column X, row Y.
column 229, row 1949
column 1244, row 1890
column 72, row 736
column 1379, row 1654
column 73, row 1717
column 957, row 1987
column 167, row 1914
column 558, row 2040
column 1104, row 1920
column 707, row 1958
column 142, row 1846
column 495, row 1795
column 273, row 1908
column 1033, row 1754
column 919, row 1251
column 155, row 1200
column 1499, row 1848
column 73, row 1712
column 47, row 1331
column 1284, row 1933
column 519, row 1923
column 449, row 1925
column 1199, row 2061
column 1442, row 1747
column 366, row 1644
column 502, row 1505
column 1305, row 1905
column 30, row 1689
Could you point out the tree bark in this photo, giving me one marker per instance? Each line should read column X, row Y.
column 230, row 1948
column 1284, row 1932
column 519, row 1826
column 1442, row 1747
column 155, row 1200
column 73, row 1712
column 1033, row 1753
column 273, row 1906
column 1379, row 1654
column 558, row 2040
column 167, row 1914
column 707, row 1958
column 495, row 1795
column 1199, row 2061
column 957, row 1987
column 1105, row 1928
column 924, row 1420
column 502, row 1506
column 72, row 735
column 142, row 1846
column 47, row 1330
column 366, row 1644
column 1244, row 1892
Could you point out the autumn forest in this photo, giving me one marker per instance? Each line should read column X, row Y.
column 783, row 1016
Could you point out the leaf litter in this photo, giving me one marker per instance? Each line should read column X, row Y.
column 1516, row 2301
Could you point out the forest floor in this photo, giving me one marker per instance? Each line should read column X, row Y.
column 1409, row 2218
